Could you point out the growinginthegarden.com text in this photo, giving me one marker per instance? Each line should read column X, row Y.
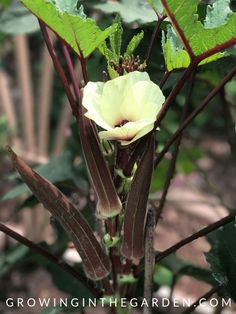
column 111, row 302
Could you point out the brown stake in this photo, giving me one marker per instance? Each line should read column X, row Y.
column 25, row 82
column 149, row 259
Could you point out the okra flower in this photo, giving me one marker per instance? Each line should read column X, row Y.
column 126, row 107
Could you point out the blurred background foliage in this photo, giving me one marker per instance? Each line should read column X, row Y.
column 67, row 169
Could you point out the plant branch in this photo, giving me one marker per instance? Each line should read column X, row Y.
column 174, row 93
column 164, row 79
column 58, row 67
column 229, row 123
column 192, row 116
column 83, row 63
column 195, row 236
column 84, row 70
column 75, row 83
column 160, row 19
column 172, row 165
column 74, row 80
column 54, row 259
column 204, row 297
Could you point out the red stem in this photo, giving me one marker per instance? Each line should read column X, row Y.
column 193, row 115
column 195, row 236
column 54, row 259
column 174, row 93
column 72, row 72
column 83, row 62
column 204, row 297
column 164, row 79
column 58, row 67
column 108, row 290
column 203, row 232
column 153, row 38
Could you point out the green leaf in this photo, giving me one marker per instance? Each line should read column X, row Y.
column 130, row 10
column 82, row 34
column 162, row 275
column 198, row 40
column 70, row 7
column 181, row 267
column 65, row 282
column 30, row 202
column 12, row 257
column 17, row 191
column 217, row 13
column 222, row 257
column 116, row 40
column 186, row 163
column 176, row 57
column 4, row 4
column 17, row 20
column 230, row 89
column 112, row 72
column 52, row 310
column 187, row 159
column 198, row 273
column 4, row 130
column 89, row 215
column 159, row 175
column 59, row 310
column 126, row 278
column 156, row 5
column 58, row 169
column 105, row 51
column 133, row 44
column 212, row 77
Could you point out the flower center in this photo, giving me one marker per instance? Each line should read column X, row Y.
column 121, row 123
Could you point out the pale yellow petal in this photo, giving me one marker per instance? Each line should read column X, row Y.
column 129, row 132
column 137, row 76
column 132, row 97
column 118, row 94
column 143, row 102
column 145, row 130
column 98, row 120
column 92, row 94
column 113, row 96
